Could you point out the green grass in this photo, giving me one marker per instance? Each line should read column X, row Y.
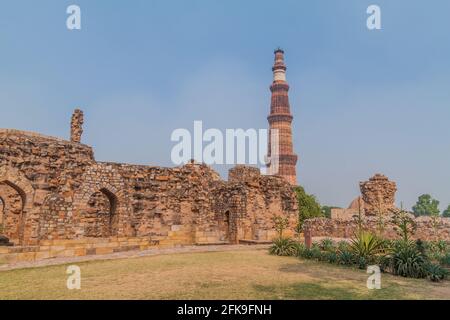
column 249, row 274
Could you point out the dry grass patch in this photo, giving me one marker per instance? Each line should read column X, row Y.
column 248, row 274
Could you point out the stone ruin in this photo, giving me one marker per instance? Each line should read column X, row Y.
column 377, row 196
column 375, row 206
column 54, row 190
column 76, row 126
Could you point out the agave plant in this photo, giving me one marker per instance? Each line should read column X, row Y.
column 283, row 247
column 408, row 261
column 366, row 245
column 436, row 273
column 346, row 258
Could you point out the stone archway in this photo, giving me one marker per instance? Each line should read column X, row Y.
column 228, row 226
column 99, row 218
column 17, row 193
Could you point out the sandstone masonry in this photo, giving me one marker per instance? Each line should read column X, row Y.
column 54, row 190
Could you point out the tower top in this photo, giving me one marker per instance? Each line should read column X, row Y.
column 279, row 67
column 278, row 50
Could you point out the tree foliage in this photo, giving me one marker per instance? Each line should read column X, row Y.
column 308, row 206
column 426, row 206
column 446, row 212
column 326, row 210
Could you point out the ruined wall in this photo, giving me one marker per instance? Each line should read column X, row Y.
column 66, row 194
column 378, row 194
column 341, row 228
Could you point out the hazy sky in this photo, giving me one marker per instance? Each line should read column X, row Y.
column 363, row 101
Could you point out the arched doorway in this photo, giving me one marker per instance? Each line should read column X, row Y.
column 12, row 204
column 100, row 218
column 224, row 225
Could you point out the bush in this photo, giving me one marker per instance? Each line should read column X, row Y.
column 283, row 247
column 385, row 263
column 327, row 244
column 306, row 254
column 436, row 273
column 362, row 263
column 316, row 253
column 331, row 257
column 445, row 260
column 346, row 258
column 408, row 261
column 299, row 248
column 343, row 246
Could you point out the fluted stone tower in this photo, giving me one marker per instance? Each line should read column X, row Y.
column 282, row 158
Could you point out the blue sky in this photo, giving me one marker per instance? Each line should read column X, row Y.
column 363, row 101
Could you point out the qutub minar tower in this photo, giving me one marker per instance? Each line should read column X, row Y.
column 280, row 119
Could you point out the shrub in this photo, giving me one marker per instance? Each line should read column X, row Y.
column 408, row 261
column 280, row 224
column 327, row 244
column 435, row 272
column 343, row 246
column 346, row 258
column 283, row 247
column 366, row 245
column 362, row 262
column 405, row 226
column 331, row 257
column 306, row 253
column 316, row 253
column 299, row 249
column 445, row 260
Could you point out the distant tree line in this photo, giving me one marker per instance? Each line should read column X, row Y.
column 427, row 206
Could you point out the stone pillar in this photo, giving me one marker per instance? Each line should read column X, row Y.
column 76, row 126
column 308, row 238
column 378, row 194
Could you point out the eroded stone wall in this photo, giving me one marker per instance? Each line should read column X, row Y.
column 426, row 227
column 68, row 195
column 378, row 194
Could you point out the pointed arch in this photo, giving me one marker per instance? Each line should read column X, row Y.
column 21, row 186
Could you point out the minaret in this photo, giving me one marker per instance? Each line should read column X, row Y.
column 280, row 120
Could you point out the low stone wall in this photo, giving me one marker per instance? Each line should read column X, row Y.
column 49, row 249
column 344, row 228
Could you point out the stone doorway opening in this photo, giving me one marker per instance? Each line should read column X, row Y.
column 226, row 227
column 101, row 215
column 12, row 203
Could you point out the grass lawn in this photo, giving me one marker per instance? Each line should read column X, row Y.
column 248, row 274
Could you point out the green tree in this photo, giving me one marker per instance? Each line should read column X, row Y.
column 326, row 210
column 308, row 206
column 426, row 206
column 446, row 212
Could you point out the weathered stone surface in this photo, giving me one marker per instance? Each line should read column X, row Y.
column 378, row 194
column 76, row 126
column 54, row 190
column 427, row 227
